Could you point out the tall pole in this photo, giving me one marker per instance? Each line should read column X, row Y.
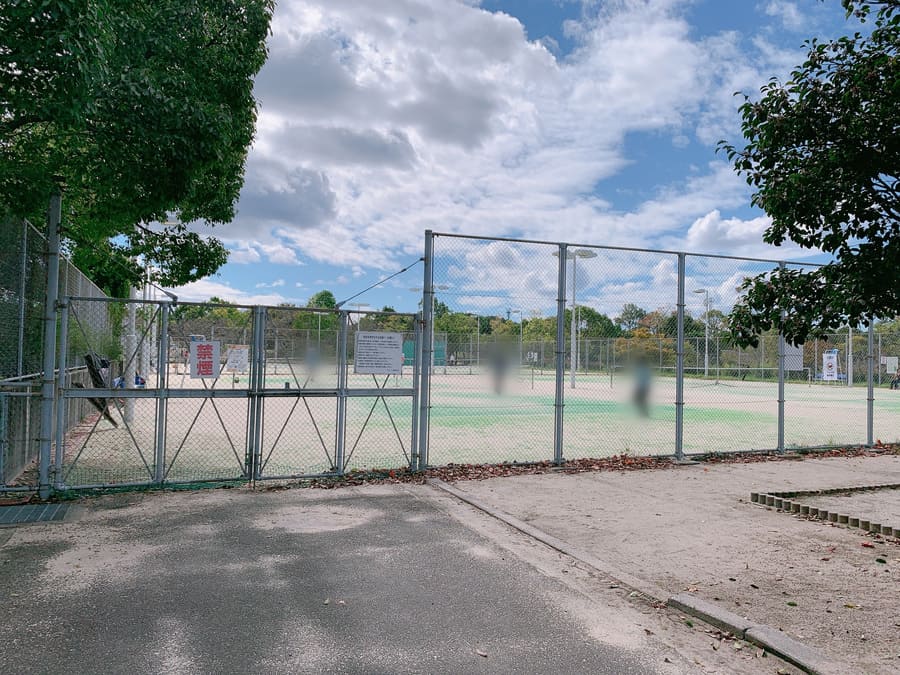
column 426, row 351
column 870, row 381
column 23, row 276
column 781, row 351
column 48, row 379
column 679, row 362
column 573, row 358
column 706, row 339
column 560, row 365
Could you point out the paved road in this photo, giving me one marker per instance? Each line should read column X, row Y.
column 375, row 580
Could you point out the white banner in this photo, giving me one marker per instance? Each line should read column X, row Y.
column 378, row 353
column 830, row 366
column 890, row 363
column 204, row 358
column 237, row 358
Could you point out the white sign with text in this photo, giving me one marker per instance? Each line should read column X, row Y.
column 237, row 358
column 378, row 353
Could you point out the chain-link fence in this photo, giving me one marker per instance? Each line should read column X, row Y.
column 23, row 289
column 644, row 364
column 203, row 391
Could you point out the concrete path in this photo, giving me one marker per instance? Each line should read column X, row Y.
column 358, row 580
column 692, row 529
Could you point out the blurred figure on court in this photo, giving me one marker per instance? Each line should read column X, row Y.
column 313, row 362
column 499, row 359
column 642, row 377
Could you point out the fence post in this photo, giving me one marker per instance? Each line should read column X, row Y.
column 162, row 393
column 259, row 385
column 340, row 433
column 781, row 376
column 60, row 401
column 253, row 385
column 679, row 364
column 417, row 355
column 559, row 403
column 48, row 389
column 427, row 350
column 23, row 287
column 4, row 433
column 870, row 379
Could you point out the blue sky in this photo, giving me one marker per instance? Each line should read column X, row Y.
column 586, row 121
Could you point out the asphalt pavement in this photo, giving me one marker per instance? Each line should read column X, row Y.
column 371, row 580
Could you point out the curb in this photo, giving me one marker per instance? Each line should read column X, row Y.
column 788, row 502
column 803, row 656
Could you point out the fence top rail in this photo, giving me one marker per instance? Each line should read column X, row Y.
column 226, row 305
column 632, row 249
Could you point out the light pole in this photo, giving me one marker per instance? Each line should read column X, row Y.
column 706, row 333
column 574, row 255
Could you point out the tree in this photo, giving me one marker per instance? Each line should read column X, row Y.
column 630, row 316
column 143, row 110
column 822, row 152
column 323, row 321
column 323, row 299
column 596, row 325
column 391, row 322
column 455, row 323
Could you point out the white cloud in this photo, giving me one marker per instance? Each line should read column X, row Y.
column 246, row 255
column 204, row 289
column 280, row 254
column 790, row 15
column 384, row 118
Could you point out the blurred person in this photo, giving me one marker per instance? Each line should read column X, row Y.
column 313, row 362
column 642, row 378
column 499, row 362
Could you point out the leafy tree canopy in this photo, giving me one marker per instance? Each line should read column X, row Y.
column 822, row 153
column 630, row 316
column 142, row 110
column 323, row 299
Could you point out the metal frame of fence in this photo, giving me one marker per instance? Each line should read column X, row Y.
column 265, row 433
column 66, row 391
column 681, row 260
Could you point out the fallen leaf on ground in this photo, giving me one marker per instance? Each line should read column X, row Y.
column 481, row 653
column 868, row 544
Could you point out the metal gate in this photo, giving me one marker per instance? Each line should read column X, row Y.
column 154, row 392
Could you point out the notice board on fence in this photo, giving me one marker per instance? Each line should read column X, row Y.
column 204, row 357
column 237, row 358
column 378, row 353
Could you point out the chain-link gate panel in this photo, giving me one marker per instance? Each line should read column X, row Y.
column 495, row 329
column 207, row 411
column 730, row 394
column 108, row 413
column 620, row 344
